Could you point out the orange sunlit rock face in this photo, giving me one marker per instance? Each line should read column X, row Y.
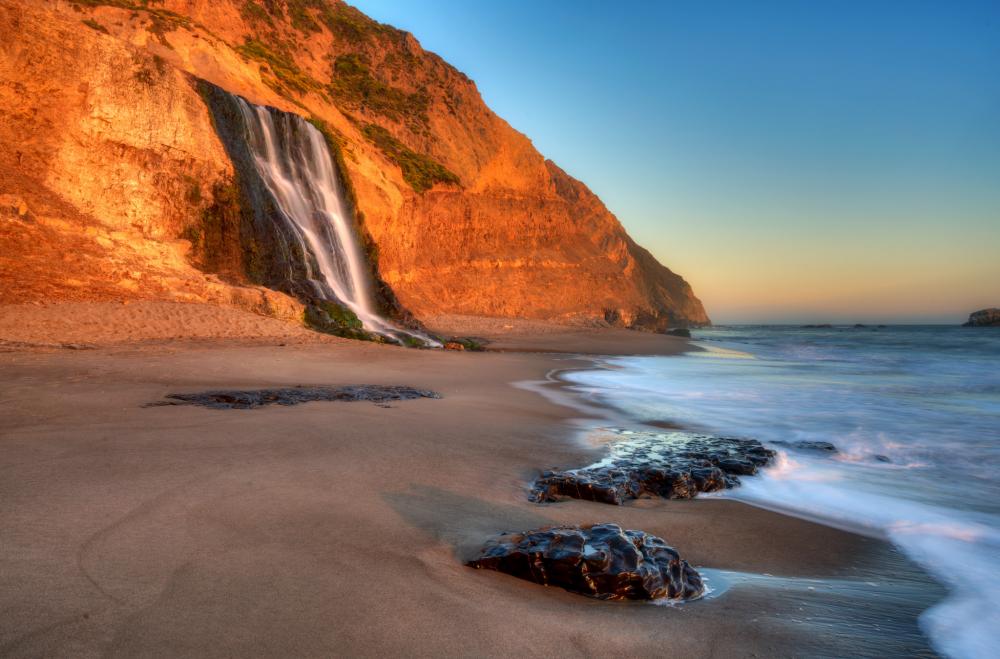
column 108, row 142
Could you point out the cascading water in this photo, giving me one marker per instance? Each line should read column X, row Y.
column 293, row 160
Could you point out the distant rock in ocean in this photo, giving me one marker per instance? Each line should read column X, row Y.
column 686, row 333
column 984, row 318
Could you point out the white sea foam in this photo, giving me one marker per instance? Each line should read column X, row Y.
column 915, row 415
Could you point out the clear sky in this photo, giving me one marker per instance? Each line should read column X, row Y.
column 794, row 161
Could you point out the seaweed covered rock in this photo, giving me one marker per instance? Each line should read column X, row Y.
column 237, row 399
column 474, row 344
column 334, row 318
column 601, row 561
column 676, row 465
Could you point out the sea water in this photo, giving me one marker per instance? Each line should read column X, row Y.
column 914, row 413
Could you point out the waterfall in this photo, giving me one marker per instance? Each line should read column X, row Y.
column 293, row 161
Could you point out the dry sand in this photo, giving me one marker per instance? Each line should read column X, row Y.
column 514, row 335
column 334, row 529
column 109, row 323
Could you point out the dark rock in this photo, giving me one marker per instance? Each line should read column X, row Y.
column 473, row 344
column 983, row 318
column 686, row 333
column 823, row 326
column 808, row 446
column 228, row 400
column 601, row 561
column 331, row 317
column 670, row 465
column 859, row 326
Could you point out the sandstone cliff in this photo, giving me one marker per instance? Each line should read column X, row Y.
column 106, row 140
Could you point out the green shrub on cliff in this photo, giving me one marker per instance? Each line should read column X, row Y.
column 288, row 75
column 419, row 170
column 343, row 21
column 353, row 84
column 254, row 12
column 161, row 22
column 346, row 22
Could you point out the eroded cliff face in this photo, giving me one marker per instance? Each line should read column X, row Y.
column 102, row 115
column 110, row 157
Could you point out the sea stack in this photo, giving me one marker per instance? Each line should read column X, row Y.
column 984, row 318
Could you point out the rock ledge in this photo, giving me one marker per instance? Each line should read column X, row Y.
column 676, row 465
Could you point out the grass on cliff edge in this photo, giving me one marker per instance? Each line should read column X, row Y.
column 161, row 20
column 281, row 64
column 353, row 84
column 344, row 21
column 419, row 170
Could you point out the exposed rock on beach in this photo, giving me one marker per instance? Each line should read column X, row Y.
column 242, row 400
column 676, row 465
column 601, row 561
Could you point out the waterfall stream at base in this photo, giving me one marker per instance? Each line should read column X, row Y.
column 293, row 160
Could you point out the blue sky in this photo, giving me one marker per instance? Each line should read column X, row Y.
column 795, row 161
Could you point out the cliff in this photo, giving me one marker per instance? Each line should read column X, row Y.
column 108, row 144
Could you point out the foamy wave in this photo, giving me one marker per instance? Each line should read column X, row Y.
column 917, row 445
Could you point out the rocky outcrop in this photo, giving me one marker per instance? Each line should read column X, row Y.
column 983, row 318
column 673, row 465
column 113, row 152
column 102, row 128
column 243, row 400
column 600, row 561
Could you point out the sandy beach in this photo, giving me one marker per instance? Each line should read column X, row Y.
column 340, row 529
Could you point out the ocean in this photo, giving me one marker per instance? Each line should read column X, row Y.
column 914, row 415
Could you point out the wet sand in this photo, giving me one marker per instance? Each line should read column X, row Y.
column 340, row 528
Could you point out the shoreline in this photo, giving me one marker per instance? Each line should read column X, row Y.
column 613, row 416
column 339, row 527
